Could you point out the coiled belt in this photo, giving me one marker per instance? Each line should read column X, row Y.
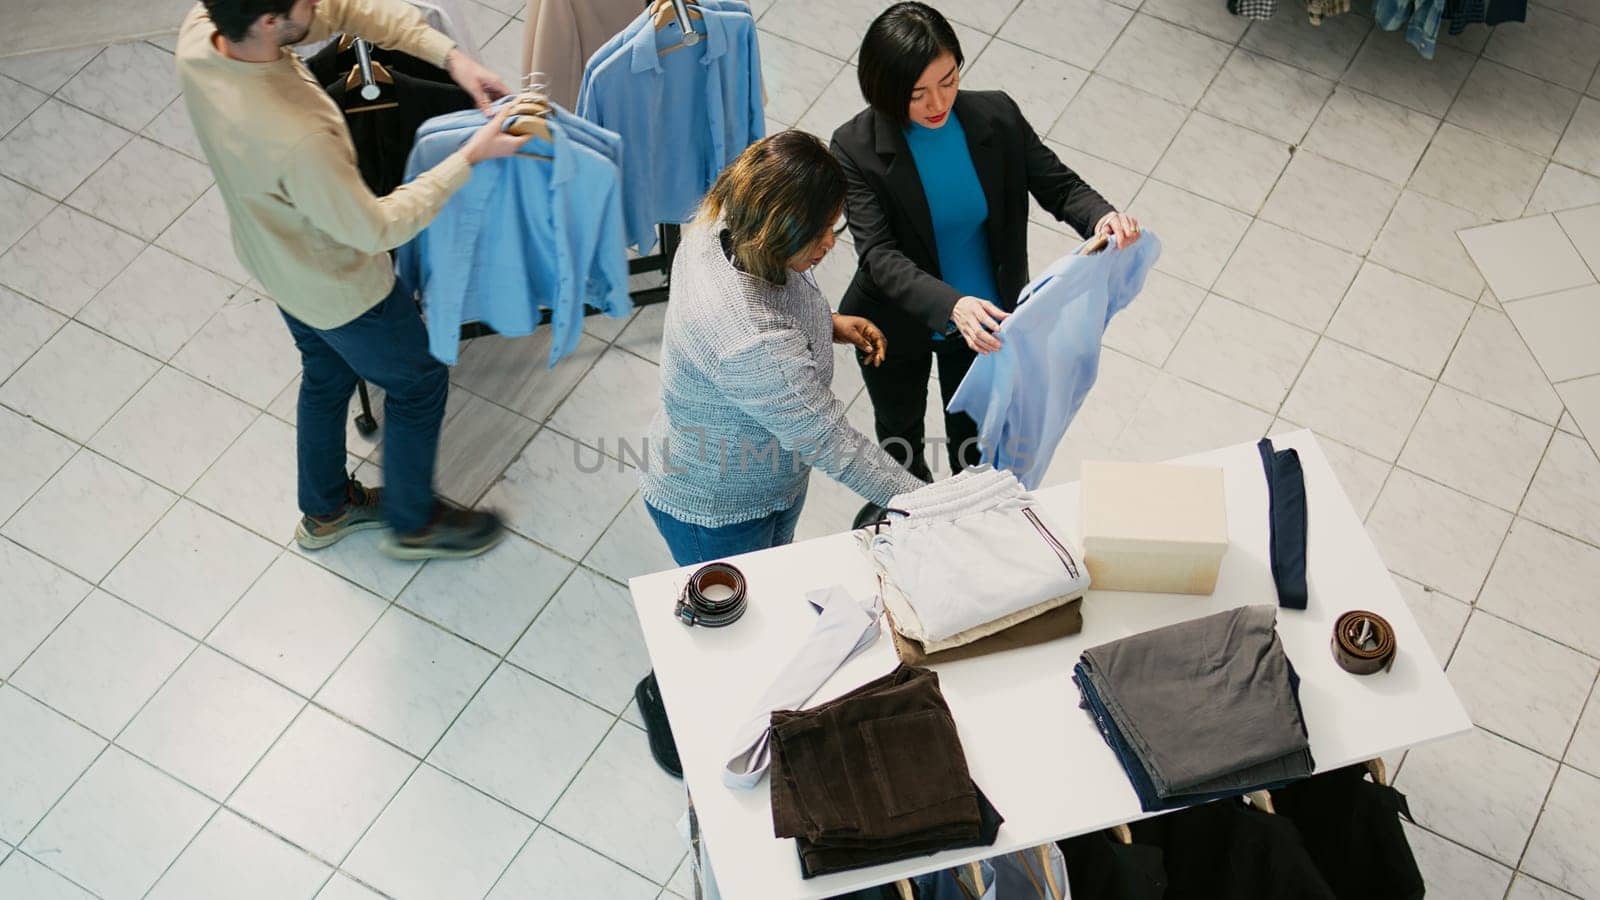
column 695, row 608
column 1363, row 642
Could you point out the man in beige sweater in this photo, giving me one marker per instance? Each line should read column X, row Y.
column 314, row 236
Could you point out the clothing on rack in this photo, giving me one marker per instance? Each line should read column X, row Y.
column 1100, row 868
column 523, row 234
column 875, row 776
column 1462, row 13
column 1351, row 828
column 1199, row 710
column 330, row 63
column 1024, row 395
column 1420, row 17
column 1286, row 522
column 383, row 137
column 695, row 107
column 558, row 36
column 1229, row 851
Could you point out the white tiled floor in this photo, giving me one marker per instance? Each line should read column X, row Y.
column 189, row 707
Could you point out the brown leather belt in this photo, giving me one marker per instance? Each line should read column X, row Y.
column 1363, row 642
column 695, row 608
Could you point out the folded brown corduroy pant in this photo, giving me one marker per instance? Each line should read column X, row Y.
column 875, row 776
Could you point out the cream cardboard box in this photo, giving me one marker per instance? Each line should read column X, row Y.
column 1153, row 528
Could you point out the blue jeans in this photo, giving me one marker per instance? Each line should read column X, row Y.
column 388, row 346
column 691, row 545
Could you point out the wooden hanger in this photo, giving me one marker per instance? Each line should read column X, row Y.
column 379, row 75
column 528, row 111
column 1380, row 772
column 1261, row 800
column 1094, row 245
column 345, row 40
column 1122, row 833
column 665, row 15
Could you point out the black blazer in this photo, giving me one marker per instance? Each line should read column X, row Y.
column 897, row 282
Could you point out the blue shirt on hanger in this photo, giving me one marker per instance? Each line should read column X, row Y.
column 521, row 235
column 687, row 113
column 1024, row 395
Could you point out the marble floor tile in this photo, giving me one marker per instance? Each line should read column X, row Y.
column 245, row 350
column 1357, row 399
column 1420, row 240
column 1095, row 27
column 614, row 403
column 1164, row 59
column 439, row 838
column 1478, row 789
column 1580, row 146
column 1563, row 187
column 1491, row 361
column 1242, row 353
column 478, row 441
column 1563, row 851
column 22, row 877
column 1526, row 257
column 587, row 641
column 1331, row 202
column 28, row 327
column 231, row 857
column 1440, row 616
column 794, row 75
column 17, row 100
column 1584, row 751
column 29, row 455
column 322, row 784
column 253, row 482
column 1565, row 493
column 1582, row 397
column 1288, row 275
column 143, row 188
column 1436, row 536
column 1393, row 70
column 1451, row 870
column 89, row 514
column 643, row 335
column 834, row 27
column 21, row 208
column 562, row 495
column 343, row 887
column 1541, row 580
column 1553, row 46
column 1371, row 134
column 1198, row 235
column 202, row 235
column 157, row 303
column 1326, row 49
column 77, row 380
column 46, row 153
column 631, row 546
column 1582, row 227
column 297, row 623
column 103, row 663
column 1178, row 418
column 1149, row 327
column 1558, row 327
column 483, row 21
column 1041, row 85
column 1517, row 109
column 119, row 827
column 1569, row 424
column 210, row 723
column 1362, row 475
column 552, row 866
column 40, row 594
column 489, row 599
column 1223, row 162
column 1505, row 179
column 406, row 681
column 47, row 71
column 1399, row 319
column 49, row 265
column 1524, row 887
column 173, row 129
column 840, row 100
column 509, row 371
column 173, row 429
column 1520, row 685
column 1113, row 181
column 127, row 84
column 521, row 740
column 502, row 51
column 41, row 754
column 1207, row 18
column 621, row 772
column 1119, row 123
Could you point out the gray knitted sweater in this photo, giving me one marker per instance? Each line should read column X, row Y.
column 747, row 404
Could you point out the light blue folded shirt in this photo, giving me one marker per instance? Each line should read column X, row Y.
column 689, row 112
column 1024, row 395
column 522, row 235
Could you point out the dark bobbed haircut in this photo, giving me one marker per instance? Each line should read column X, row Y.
column 899, row 45
column 780, row 195
column 233, row 18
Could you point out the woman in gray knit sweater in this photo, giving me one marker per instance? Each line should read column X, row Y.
column 747, row 362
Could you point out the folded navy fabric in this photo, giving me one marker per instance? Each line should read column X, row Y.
column 1286, row 488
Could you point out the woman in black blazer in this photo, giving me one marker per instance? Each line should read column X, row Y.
column 940, row 223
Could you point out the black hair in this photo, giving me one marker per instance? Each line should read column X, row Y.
column 233, row 18
column 781, row 195
column 899, row 45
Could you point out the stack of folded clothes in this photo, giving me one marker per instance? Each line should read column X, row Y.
column 875, row 776
column 1200, row 710
column 971, row 565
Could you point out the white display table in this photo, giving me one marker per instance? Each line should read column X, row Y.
column 1030, row 748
